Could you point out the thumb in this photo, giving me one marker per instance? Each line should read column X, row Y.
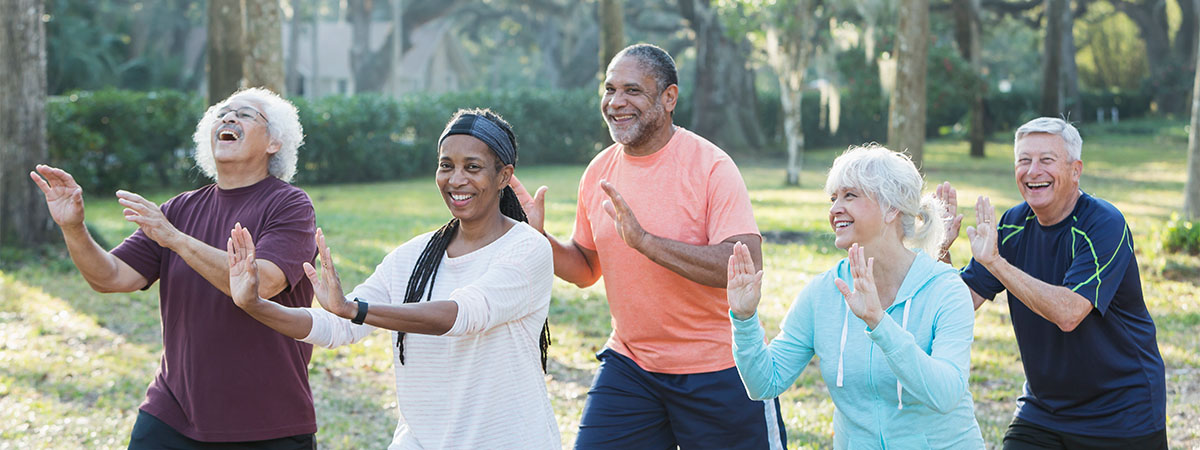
column 842, row 286
column 610, row 209
column 958, row 221
column 971, row 233
column 311, row 272
column 539, row 198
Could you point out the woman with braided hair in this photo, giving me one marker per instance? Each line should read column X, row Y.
column 467, row 304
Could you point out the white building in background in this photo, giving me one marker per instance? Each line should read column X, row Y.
column 436, row 61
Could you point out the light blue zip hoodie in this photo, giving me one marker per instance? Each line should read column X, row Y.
column 922, row 347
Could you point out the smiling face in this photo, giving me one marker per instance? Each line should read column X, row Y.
column 634, row 109
column 468, row 178
column 1047, row 177
column 856, row 218
column 240, row 135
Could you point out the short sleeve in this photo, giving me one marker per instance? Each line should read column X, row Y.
column 583, row 226
column 142, row 253
column 1101, row 253
column 286, row 237
column 729, row 212
column 980, row 280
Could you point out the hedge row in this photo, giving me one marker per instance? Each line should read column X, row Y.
column 113, row 139
column 135, row 140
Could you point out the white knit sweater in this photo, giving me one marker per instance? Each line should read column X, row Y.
column 481, row 384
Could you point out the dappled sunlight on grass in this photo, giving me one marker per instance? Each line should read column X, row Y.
column 64, row 379
column 74, row 364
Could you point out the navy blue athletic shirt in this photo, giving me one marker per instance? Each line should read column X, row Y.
column 1104, row 378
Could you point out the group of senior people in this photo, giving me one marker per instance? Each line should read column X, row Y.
column 664, row 218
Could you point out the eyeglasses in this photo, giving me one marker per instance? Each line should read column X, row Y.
column 244, row 113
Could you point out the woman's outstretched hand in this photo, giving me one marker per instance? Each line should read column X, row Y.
column 864, row 299
column 328, row 286
column 243, row 270
column 744, row 289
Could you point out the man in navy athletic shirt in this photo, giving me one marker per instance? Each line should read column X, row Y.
column 1094, row 376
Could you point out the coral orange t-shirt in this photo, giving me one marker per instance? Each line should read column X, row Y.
column 689, row 191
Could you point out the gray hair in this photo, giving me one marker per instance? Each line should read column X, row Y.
column 283, row 125
column 891, row 179
column 656, row 60
column 1057, row 127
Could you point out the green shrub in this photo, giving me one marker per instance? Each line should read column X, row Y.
column 1182, row 236
column 115, row 139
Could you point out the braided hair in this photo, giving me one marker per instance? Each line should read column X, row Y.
column 424, row 273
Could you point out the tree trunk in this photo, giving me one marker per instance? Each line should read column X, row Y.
column 1150, row 16
column 1191, row 199
column 1068, row 82
column 226, row 53
column 1052, row 46
column 264, row 46
column 724, row 106
column 293, row 74
column 790, row 46
column 24, row 219
column 612, row 30
column 315, row 71
column 906, row 114
column 967, row 30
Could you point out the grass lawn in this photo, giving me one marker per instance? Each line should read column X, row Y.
column 74, row 364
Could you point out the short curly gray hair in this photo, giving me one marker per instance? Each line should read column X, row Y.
column 892, row 180
column 283, row 124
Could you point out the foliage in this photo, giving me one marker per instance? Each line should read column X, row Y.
column 112, row 139
column 119, row 43
column 1181, row 236
column 1110, row 55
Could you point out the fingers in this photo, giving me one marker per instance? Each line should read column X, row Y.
column 326, row 259
column 611, row 210
column 539, row 198
column 843, row 287
column 311, row 273
column 41, row 183
column 611, row 190
column 55, row 176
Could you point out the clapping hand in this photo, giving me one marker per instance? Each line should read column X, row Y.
column 328, row 287
column 953, row 220
column 744, row 289
column 984, row 234
column 627, row 225
column 864, row 299
column 243, row 269
column 534, row 206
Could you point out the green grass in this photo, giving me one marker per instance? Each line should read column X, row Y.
column 74, row 364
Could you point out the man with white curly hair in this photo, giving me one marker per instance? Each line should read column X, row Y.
column 223, row 377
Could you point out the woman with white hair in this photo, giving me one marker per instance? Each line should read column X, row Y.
column 892, row 327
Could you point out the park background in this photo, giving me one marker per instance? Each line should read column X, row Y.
column 111, row 90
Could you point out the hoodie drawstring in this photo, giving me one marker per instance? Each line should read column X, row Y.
column 900, row 390
column 842, row 349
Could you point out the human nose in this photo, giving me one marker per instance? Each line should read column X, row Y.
column 458, row 177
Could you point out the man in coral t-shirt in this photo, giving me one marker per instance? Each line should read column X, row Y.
column 658, row 214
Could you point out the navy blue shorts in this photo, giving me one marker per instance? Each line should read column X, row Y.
column 630, row 408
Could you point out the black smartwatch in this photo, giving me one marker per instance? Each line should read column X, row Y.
column 362, row 312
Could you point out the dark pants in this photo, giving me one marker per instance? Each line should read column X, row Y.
column 630, row 408
column 149, row 433
column 1023, row 435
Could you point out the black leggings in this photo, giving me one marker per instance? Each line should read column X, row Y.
column 149, row 433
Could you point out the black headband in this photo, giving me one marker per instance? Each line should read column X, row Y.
column 485, row 130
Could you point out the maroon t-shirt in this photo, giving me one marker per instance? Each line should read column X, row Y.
column 225, row 377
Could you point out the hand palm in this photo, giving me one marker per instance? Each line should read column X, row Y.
column 744, row 291
column 65, row 204
column 243, row 280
